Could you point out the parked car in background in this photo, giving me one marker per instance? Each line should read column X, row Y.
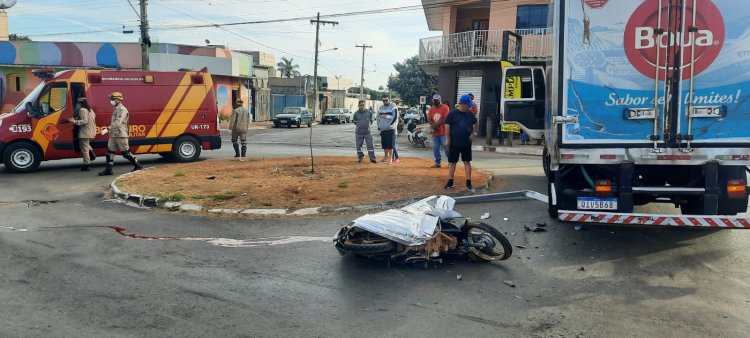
column 414, row 114
column 293, row 116
column 349, row 114
column 335, row 115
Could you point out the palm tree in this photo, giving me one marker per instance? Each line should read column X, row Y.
column 287, row 67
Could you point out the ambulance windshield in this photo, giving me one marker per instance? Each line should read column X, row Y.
column 29, row 98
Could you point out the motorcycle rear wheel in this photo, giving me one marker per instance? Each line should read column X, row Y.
column 362, row 246
column 478, row 231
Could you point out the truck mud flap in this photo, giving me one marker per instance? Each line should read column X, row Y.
column 686, row 221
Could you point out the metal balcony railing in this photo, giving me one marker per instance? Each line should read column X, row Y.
column 484, row 44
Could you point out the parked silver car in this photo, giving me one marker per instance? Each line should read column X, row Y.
column 336, row 115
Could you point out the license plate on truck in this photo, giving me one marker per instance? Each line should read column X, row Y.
column 592, row 203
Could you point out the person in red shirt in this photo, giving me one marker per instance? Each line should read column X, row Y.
column 436, row 117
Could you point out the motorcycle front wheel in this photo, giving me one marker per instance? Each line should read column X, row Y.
column 497, row 247
column 365, row 246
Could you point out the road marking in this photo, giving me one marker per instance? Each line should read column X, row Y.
column 13, row 228
column 228, row 242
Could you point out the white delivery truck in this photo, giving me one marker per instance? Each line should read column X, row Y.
column 641, row 102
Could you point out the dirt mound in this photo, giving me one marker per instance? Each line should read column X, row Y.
column 286, row 183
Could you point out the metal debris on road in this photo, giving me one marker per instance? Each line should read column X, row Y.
column 578, row 227
column 541, row 224
column 520, row 246
column 486, row 215
column 582, row 269
column 212, row 177
column 509, row 283
column 505, row 218
column 459, row 277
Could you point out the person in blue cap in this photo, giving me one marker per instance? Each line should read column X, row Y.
column 460, row 129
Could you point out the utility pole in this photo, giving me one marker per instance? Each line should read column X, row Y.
column 145, row 39
column 362, row 79
column 317, row 23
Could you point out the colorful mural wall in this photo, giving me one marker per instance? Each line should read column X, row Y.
column 18, row 58
column 71, row 54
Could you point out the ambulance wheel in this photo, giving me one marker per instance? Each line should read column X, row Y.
column 186, row 149
column 22, row 157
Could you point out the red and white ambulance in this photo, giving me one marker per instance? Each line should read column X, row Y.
column 173, row 114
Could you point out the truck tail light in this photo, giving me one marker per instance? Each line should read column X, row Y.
column 603, row 188
column 736, row 188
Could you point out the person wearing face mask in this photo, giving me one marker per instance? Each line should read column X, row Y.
column 119, row 132
column 436, row 117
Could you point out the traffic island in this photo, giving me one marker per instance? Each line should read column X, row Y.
column 288, row 186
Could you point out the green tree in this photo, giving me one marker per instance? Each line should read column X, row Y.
column 16, row 37
column 411, row 81
column 287, row 67
column 374, row 94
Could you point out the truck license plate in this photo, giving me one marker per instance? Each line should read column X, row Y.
column 592, row 203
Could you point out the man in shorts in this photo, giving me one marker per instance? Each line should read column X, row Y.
column 460, row 130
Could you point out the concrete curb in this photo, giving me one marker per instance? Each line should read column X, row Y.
column 529, row 151
column 151, row 202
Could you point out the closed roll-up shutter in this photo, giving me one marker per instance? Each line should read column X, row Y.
column 472, row 85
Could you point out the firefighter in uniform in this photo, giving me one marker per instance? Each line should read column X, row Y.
column 238, row 123
column 85, row 119
column 118, row 135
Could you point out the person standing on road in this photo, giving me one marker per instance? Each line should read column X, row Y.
column 362, row 119
column 85, row 119
column 238, row 123
column 436, row 117
column 387, row 117
column 460, row 129
column 119, row 132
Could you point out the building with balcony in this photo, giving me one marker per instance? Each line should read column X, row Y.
column 476, row 37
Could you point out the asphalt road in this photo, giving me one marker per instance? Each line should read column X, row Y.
column 66, row 271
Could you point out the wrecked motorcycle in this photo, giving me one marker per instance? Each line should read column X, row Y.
column 422, row 231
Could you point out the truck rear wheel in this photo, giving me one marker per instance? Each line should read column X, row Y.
column 22, row 157
column 186, row 149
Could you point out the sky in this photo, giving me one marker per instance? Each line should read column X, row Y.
column 394, row 35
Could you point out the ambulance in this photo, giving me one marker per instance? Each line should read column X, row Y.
column 173, row 114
